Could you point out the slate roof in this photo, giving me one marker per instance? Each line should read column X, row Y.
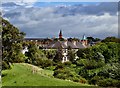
column 65, row 45
column 79, row 45
column 55, row 45
column 58, row 44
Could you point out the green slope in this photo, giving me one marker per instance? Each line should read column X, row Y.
column 21, row 75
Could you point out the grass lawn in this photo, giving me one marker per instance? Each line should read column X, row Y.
column 21, row 75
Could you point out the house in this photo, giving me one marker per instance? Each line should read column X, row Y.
column 64, row 45
column 60, row 44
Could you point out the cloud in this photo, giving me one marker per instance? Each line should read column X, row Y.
column 27, row 3
column 19, row 1
column 45, row 22
column 97, row 9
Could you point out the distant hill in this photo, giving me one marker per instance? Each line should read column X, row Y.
column 22, row 74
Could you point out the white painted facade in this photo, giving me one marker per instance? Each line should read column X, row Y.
column 25, row 50
column 64, row 53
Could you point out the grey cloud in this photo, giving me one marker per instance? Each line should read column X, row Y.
column 12, row 14
column 9, row 4
column 94, row 9
column 111, row 7
column 100, row 9
column 45, row 22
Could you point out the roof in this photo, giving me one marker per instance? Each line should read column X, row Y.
column 33, row 38
column 79, row 45
column 65, row 45
column 55, row 45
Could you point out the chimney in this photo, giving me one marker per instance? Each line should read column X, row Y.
column 65, row 42
column 74, row 42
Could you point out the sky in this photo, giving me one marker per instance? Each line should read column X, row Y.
column 46, row 19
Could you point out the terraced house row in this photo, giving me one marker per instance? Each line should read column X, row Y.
column 61, row 44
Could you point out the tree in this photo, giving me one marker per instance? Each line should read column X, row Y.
column 58, row 57
column 34, row 54
column 84, row 53
column 90, row 39
column 50, row 54
column 111, row 39
column 96, row 39
column 80, row 53
column 71, row 54
column 12, row 40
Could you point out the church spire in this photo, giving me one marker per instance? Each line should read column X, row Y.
column 84, row 40
column 60, row 34
column 84, row 37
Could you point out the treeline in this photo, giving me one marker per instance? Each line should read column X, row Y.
column 111, row 39
column 100, row 64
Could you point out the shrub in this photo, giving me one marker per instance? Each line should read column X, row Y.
column 109, row 82
column 75, row 79
column 116, row 83
column 59, row 66
column 50, row 53
column 68, row 63
column 83, row 80
column 66, row 73
column 46, row 63
column 61, row 74
column 50, row 68
column 58, row 56
column 80, row 62
column 83, row 72
column 95, row 80
column 90, row 64
column 5, row 65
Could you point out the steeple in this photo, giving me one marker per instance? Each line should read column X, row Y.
column 84, row 40
column 84, row 37
column 60, row 34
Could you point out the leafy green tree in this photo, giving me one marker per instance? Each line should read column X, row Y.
column 108, row 51
column 46, row 63
column 58, row 57
column 111, row 53
column 97, row 39
column 85, row 53
column 34, row 54
column 100, row 62
column 111, row 39
column 50, row 54
column 71, row 54
column 12, row 40
column 90, row 39
column 64, row 72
